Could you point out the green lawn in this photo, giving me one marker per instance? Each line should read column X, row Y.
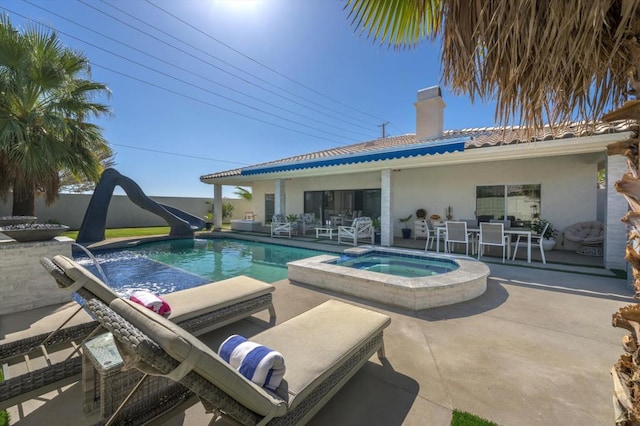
column 4, row 416
column 134, row 232
column 462, row 418
column 127, row 232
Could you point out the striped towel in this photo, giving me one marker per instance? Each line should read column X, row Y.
column 258, row 363
column 156, row 303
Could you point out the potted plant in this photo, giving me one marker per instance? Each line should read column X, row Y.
column 406, row 231
column 208, row 220
column 548, row 240
column 376, row 229
column 292, row 218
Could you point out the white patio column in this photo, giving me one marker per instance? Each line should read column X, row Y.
column 386, row 225
column 615, row 237
column 217, row 206
column 279, row 207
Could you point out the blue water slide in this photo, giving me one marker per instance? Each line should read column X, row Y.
column 94, row 223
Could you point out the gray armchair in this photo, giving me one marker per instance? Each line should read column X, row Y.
column 308, row 222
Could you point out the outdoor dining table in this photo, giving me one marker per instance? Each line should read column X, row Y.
column 509, row 231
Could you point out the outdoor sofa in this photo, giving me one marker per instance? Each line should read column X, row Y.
column 198, row 310
column 322, row 348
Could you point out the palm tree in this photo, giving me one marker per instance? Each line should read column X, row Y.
column 243, row 193
column 541, row 61
column 45, row 104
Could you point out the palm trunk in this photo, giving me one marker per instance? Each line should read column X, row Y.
column 24, row 202
column 626, row 371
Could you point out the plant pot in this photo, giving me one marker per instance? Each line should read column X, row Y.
column 377, row 238
column 208, row 226
column 33, row 232
column 16, row 220
column 406, row 233
column 548, row 244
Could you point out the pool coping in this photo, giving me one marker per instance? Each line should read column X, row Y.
column 467, row 282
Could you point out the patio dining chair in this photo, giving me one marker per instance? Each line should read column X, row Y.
column 318, row 360
column 492, row 234
column 536, row 241
column 428, row 235
column 457, row 234
column 505, row 222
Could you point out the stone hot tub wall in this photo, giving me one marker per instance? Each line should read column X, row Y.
column 24, row 283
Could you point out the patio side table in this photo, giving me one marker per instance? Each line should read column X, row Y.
column 105, row 385
column 325, row 231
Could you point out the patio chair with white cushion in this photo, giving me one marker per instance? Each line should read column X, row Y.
column 360, row 229
column 309, row 222
column 280, row 227
column 457, row 234
column 492, row 234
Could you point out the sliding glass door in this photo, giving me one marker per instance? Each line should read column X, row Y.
column 345, row 203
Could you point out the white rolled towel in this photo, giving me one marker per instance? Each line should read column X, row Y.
column 260, row 364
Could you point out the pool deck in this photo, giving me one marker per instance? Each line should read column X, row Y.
column 536, row 348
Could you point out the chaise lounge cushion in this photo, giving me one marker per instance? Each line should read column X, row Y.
column 587, row 233
column 185, row 304
column 315, row 344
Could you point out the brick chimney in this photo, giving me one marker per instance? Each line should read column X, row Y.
column 429, row 113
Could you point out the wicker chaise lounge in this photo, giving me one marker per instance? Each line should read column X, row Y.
column 323, row 348
column 198, row 310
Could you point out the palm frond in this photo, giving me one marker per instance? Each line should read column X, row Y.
column 541, row 61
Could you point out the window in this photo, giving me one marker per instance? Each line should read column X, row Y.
column 269, row 207
column 518, row 203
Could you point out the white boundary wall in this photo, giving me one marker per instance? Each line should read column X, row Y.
column 70, row 208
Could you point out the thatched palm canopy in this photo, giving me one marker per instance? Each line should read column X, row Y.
column 541, row 61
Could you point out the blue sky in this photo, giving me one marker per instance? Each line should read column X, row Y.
column 227, row 83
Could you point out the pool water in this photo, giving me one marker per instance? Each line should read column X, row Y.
column 167, row 266
column 399, row 265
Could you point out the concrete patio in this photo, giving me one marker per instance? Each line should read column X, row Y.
column 536, row 348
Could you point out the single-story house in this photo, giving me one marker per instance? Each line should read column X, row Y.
column 476, row 173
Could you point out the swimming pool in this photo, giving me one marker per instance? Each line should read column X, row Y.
column 167, row 266
column 403, row 265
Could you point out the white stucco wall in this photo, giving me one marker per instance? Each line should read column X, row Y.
column 70, row 208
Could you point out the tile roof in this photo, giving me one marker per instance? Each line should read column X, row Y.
column 478, row 138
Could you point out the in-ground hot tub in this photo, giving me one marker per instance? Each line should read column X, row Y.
column 466, row 281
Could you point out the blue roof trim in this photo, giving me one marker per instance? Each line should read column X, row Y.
column 415, row 150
